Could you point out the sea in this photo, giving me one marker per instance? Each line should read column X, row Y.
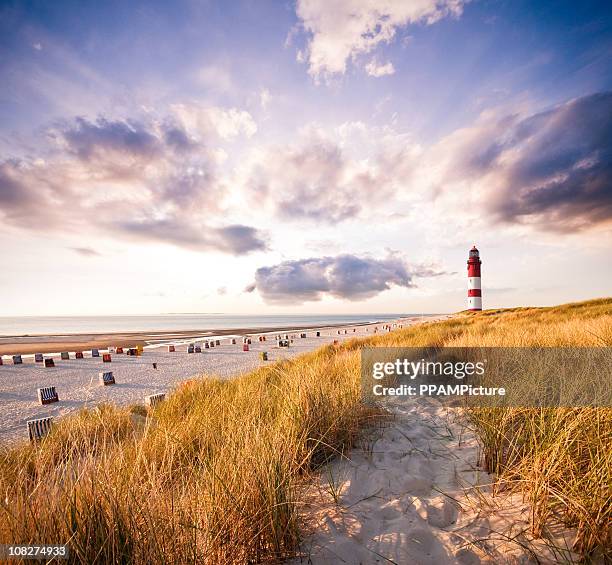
column 62, row 325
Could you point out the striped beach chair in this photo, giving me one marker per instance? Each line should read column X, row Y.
column 190, row 348
column 233, row 341
column 264, row 355
column 39, row 428
column 119, row 350
column 132, row 352
column 106, row 358
column 302, row 336
column 78, row 355
column 198, row 349
column 47, row 395
column 106, row 378
column 218, row 342
column 154, row 399
column 283, row 343
column 95, row 353
column 171, row 349
column 65, row 355
column 245, row 347
column 17, row 360
column 48, row 362
column 38, row 357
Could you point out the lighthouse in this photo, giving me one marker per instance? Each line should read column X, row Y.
column 474, row 289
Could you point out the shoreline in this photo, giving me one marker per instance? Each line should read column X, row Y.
column 53, row 343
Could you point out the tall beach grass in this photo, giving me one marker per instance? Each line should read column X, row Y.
column 216, row 473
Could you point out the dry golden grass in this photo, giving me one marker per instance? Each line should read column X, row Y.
column 214, row 474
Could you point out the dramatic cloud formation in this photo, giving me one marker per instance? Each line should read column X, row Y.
column 340, row 30
column 154, row 179
column 320, row 178
column 552, row 170
column 345, row 276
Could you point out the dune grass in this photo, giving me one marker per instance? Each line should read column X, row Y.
column 215, row 474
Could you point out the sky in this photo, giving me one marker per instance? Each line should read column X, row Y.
column 316, row 156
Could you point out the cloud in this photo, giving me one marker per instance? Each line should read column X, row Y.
column 551, row 170
column 374, row 69
column 150, row 179
column 235, row 239
column 341, row 30
column 86, row 251
column 204, row 121
column 87, row 139
column 326, row 177
column 344, row 276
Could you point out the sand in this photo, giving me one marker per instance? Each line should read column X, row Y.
column 414, row 493
column 76, row 380
column 48, row 343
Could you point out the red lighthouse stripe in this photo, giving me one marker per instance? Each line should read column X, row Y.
column 473, row 270
column 474, row 292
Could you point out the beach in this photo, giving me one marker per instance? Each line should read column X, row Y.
column 76, row 380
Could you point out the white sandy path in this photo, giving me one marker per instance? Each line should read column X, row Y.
column 76, row 380
column 406, row 497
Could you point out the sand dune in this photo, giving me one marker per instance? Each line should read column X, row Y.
column 414, row 493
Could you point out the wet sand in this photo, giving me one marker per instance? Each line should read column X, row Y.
column 54, row 343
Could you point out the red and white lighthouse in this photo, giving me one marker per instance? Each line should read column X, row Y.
column 474, row 288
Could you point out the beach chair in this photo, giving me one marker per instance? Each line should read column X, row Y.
column 106, row 358
column 48, row 362
column 154, row 399
column 245, row 347
column 119, row 350
column 132, row 352
column 198, row 349
column 139, row 350
column 283, row 343
column 318, row 334
column 47, row 395
column 106, row 378
column 212, row 344
column 190, row 348
column 264, row 355
column 218, row 342
column 17, row 360
column 206, row 345
column 112, row 349
column 1, row 361
column 65, row 355
column 38, row 357
column 233, row 341
column 95, row 353
column 171, row 349
column 78, row 355
column 302, row 336
column 39, row 428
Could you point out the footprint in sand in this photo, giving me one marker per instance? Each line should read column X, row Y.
column 441, row 512
column 467, row 557
column 417, row 486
